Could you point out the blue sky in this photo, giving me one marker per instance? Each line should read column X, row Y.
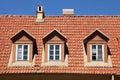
column 54, row 7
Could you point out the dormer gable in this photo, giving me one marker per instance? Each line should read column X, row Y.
column 96, row 35
column 22, row 35
column 54, row 35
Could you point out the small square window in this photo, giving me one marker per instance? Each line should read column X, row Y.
column 97, row 52
column 22, row 52
column 54, row 51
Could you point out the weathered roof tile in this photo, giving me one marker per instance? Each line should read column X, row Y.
column 75, row 28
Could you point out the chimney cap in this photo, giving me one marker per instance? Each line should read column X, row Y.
column 39, row 8
column 68, row 11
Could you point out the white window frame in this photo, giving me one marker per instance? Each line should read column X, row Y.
column 54, row 52
column 22, row 52
column 97, row 52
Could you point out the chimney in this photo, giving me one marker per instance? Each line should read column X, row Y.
column 40, row 14
column 68, row 12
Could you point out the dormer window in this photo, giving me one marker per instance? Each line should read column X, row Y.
column 55, row 51
column 22, row 49
column 96, row 49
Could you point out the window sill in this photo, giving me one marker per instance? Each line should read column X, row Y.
column 97, row 64
column 21, row 63
column 56, row 63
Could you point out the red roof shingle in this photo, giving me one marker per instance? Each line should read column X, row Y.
column 75, row 28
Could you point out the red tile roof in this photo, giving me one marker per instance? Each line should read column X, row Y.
column 75, row 28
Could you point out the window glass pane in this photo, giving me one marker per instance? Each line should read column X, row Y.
column 25, row 58
column 25, row 52
column 99, row 56
column 19, row 56
column 99, row 47
column 51, row 53
column 25, row 55
column 51, row 58
column 25, row 49
column 99, row 52
column 19, row 52
column 93, row 52
column 51, row 47
column 19, row 47
column 57, row 53
column 93, row 57
column 94, row 48
column 25, row 46
column 56, row 57
column 57, row 47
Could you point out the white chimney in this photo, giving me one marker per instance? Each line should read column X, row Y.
column 68, row 12
column 40, row 14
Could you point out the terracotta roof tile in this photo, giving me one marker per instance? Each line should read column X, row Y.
column 75, row 28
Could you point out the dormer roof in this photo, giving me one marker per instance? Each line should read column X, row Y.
column 53, row 33
column 22, row 33
column 95, row 33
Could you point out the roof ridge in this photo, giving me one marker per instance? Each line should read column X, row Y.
column 10, row 15
column 7, row 15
